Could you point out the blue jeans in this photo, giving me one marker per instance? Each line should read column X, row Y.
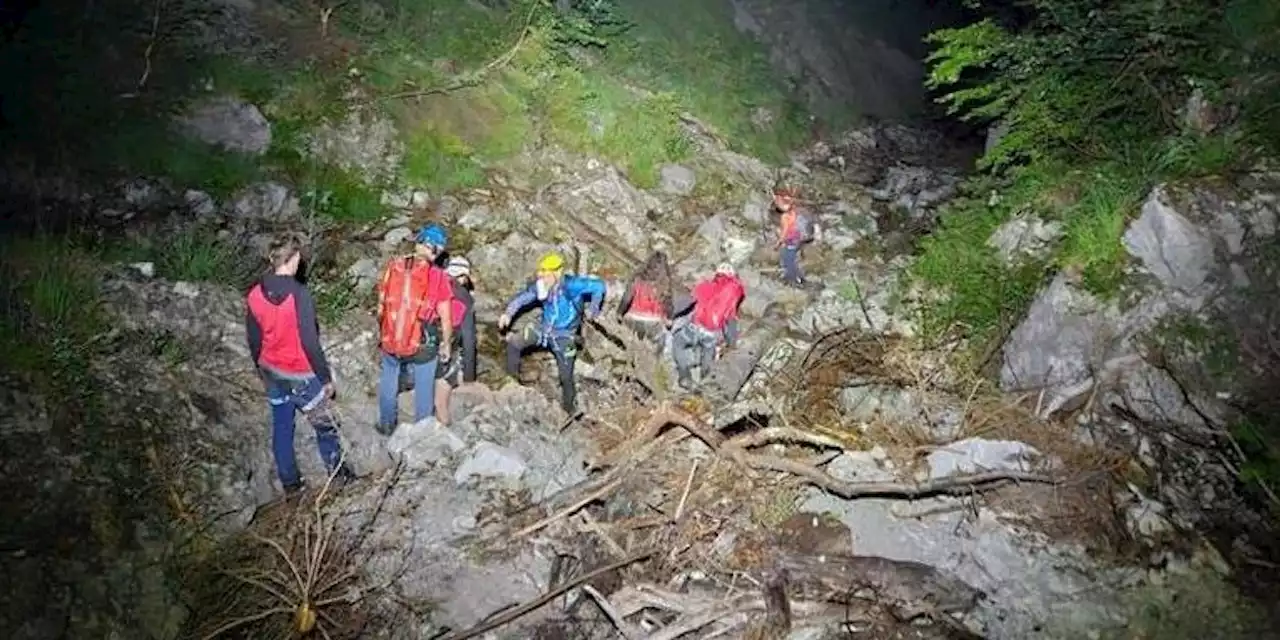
column 287, row 396
column 790, row 259
column 424, row 390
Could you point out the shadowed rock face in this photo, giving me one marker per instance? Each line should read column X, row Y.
column 859, row 56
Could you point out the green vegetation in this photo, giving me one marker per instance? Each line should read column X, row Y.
column 50, row 316
column 1090, row 93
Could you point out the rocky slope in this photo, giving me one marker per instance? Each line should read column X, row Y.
column 146, row 505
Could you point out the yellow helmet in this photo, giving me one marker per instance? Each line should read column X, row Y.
column 550, row 262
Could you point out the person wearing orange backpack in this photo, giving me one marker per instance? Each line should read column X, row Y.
column 647, row 306
column 462, row 367
column 284, row 342
column 715, row 315
column 415, row 303
column 795, row 229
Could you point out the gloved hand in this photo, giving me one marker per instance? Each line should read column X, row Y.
column 503, row 322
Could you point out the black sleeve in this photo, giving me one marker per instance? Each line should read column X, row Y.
column 681, row 303
column 309, row 332
column 253, row 333
column 469, row 338
column 625, row 303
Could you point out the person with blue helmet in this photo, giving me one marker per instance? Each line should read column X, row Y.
column 415, row 319
column 561, row 297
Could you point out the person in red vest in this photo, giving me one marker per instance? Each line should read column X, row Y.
column 647, row 306
column 715, row 316
column 284, row 341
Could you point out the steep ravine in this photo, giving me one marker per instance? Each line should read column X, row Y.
column 144, row 502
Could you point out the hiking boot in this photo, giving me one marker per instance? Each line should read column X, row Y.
column 294, row 491
column 686, row 382
column 386, row 429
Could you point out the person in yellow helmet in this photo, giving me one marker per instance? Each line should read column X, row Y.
column 562, row 298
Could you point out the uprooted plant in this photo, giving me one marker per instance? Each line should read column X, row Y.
column 296, row 571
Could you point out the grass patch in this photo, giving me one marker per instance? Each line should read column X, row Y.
column 591, row 113
column 694, row 52
column 50, row 313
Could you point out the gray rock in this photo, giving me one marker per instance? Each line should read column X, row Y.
column 364, row 273
column 756, row 209
column 1064, row 334
column 264, row 201
column 393, row 238
column 1178, row 253
column 677, row 180
column 227, row 122
column 1146, row 519
column 1024, row 237
column 199, row 203
column 975, row 455
column 145, row 269
column 489, row 460
column 405, row 199
column 364, row 142
column 424, row 444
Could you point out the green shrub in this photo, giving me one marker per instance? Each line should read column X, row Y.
column 50, row 313
column 1090, row 93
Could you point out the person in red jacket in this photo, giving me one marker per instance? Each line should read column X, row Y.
column 715, row 315
column 647, row 306
column 284, row 341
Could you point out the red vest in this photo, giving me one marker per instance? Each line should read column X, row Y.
column 645, row 303
column 281, row 343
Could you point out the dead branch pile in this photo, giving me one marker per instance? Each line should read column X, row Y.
column 679, row 508
column 706, row 495
column 295, row 572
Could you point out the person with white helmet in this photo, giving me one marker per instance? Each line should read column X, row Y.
column 462, row 367
column 715, row 316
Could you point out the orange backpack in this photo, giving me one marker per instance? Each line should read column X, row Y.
column 405, row 289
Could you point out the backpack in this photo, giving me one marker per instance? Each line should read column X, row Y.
column 405, row 289
column 809, row 230
column 718, row 303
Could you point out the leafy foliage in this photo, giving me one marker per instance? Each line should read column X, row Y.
column 1089, row 96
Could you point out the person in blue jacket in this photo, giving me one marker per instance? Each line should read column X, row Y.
column 561, row 297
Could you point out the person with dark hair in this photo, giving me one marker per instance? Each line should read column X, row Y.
column 648, row 305
column 462, row 367
column 284, row 341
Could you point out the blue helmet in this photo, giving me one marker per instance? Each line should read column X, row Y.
column 434, row 235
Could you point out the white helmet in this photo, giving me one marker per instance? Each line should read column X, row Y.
column 457, row 267
column 724, row 268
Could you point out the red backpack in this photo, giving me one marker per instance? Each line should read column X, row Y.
column 717, row 302
column 405, row 290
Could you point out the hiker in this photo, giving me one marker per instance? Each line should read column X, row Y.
column 715, row 315
column 795, row 229
column 647, row 306
column 284, row 341
column 462, row 367
column 561, row 297
column 415, row 303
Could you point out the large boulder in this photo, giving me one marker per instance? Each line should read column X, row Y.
column 228, row 123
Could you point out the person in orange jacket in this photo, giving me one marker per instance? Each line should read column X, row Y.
column 795, row 229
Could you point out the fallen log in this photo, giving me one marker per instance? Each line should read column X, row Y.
column 951, row 485
column 909, row 589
